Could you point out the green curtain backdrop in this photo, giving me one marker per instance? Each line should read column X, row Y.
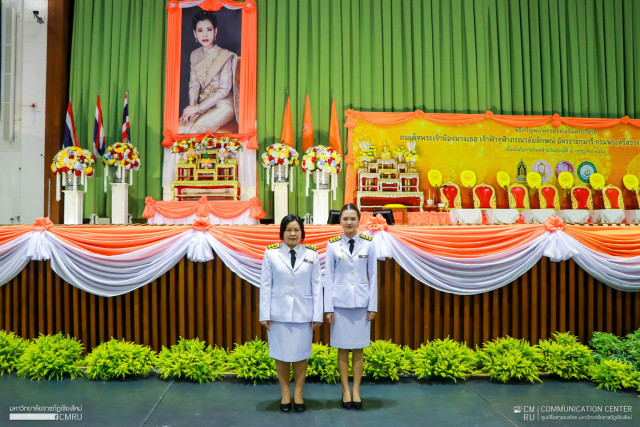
column 119, row 46
column 572, row 57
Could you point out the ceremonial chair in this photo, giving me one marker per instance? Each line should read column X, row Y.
column 450, row 195
column 548, row 195
column 612, row 197
column 484, row 196
column 369, row 182
column 581, row 197
column 518, row 196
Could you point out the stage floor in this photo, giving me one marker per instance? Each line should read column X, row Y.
column 154, row 402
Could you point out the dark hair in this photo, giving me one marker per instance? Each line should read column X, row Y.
column 286, row 220
column 350, row 207
column 204, row 15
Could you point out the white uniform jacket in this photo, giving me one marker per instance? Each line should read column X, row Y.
column 350, row 279
column 291, row 294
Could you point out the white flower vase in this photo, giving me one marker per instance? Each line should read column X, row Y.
column 321, row 179
column 280, row 173
column 118, row 174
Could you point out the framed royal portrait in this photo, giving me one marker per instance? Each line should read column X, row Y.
column 211, row 69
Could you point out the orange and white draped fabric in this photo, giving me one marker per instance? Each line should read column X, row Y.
column 112, row 260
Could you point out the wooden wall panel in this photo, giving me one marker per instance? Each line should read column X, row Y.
column 208, row 301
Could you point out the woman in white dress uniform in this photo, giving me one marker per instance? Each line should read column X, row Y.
column 291, row 306
column 350, row 299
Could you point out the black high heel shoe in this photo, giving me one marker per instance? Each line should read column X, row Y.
column 356, row 405
column 299, row 407
column 285, row 407
column 346, row 405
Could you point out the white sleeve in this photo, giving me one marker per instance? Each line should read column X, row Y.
column 329, row 270
column 266, row 281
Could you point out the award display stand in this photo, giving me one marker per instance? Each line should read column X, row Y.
column 73, row 203
column 119, row 203
column 320, row 206
column 280, row 201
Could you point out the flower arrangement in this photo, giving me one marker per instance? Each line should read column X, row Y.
column 411, row 156
column 279, row 154
column 367, row 155
column 73, row 160
column 185, row 146
column 283, row 157
column 322, row 159
column 73, row 165
column 230, row 146
column 122, row 154
column 400, row 152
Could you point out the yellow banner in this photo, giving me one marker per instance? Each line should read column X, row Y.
column 487, row 147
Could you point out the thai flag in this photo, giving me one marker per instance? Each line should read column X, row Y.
column 126, row 132
column 70, row 137
column 98, row 132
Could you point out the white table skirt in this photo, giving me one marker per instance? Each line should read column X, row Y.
column 466, row 216
column 573, row 216
column 537, row 216
column 632, row 216
column 502, row 216
column 607, row 216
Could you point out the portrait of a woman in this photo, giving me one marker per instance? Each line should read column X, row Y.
column 212, row 88
column 291, row 306
column 350, row 299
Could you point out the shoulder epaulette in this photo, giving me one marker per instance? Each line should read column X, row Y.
column 274, row 246
column 365, row 237
column 335, row 239
column 313, row 248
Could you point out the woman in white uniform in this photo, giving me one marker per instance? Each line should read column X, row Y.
column 350, row 299
column 291, row 306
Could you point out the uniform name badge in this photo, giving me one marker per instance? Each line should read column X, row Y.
column 308, row 260
column 363, row 256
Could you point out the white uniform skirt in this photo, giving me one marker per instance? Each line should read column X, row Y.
column 350, row 328
column 290, row 342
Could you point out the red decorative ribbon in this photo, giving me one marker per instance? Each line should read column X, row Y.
column 149, row 207
column 201, row 224
column 43, row 224
column 203, row 207
column 554, row 224
column 377, row 223
column 253, row 141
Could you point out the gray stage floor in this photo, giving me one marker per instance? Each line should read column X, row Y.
column 478, row 402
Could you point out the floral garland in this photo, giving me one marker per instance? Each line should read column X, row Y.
column 323, row 159
column 122, row 154
column 185, row 146
column 73, row 159
column 230, row 146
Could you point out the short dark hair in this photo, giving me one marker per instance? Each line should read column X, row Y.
column 286, row 220
column 205, row 15
column 350, row 207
